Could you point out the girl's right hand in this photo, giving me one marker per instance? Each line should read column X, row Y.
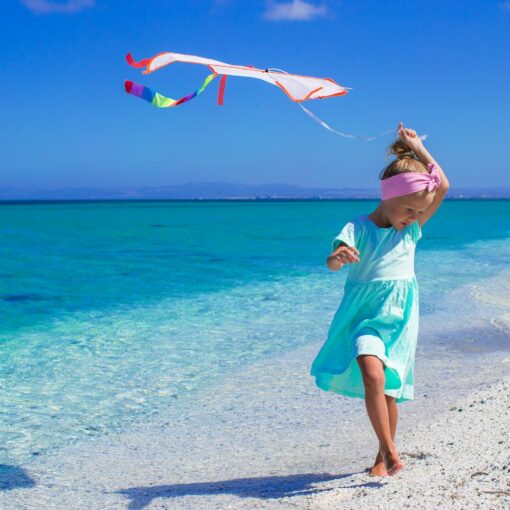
column 410, row 138
column 346, row 254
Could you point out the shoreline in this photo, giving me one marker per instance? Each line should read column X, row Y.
column 267, row 437
column 448, row 321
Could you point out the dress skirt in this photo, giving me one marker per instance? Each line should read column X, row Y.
column 379, row 317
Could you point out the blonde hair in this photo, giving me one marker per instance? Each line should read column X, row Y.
column 406, row 161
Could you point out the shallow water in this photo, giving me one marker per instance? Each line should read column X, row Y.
column 115, row 312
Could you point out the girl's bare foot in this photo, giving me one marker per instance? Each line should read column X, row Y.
column 392, row 461
column 379, row 468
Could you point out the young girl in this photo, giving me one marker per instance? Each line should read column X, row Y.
column 370, row 348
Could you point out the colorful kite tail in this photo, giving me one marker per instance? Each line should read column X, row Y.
column 160, row 101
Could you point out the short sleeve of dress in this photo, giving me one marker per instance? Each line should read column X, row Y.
column 349, row 235
column 415, row 231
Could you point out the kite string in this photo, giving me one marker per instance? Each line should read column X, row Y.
column 339, row 133
column 346, row 135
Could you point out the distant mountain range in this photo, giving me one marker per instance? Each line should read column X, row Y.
column 225, row 191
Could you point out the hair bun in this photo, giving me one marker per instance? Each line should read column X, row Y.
column 400, row 150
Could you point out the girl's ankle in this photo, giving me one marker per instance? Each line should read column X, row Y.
column 388, row 449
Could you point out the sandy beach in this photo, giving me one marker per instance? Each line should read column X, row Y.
column 267, row 438
column 284, row 460
column 460, row 461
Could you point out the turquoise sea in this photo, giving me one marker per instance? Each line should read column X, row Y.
column 114, row 311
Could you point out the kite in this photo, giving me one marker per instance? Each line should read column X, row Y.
column 297, row 87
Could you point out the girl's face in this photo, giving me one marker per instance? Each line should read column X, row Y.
column 401, row 211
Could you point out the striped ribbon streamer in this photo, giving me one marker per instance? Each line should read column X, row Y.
column 157, row 99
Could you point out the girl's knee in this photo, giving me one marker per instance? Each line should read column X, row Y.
column 374, row 379
column 372, row 370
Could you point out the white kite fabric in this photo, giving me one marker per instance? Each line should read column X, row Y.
column 297, row 87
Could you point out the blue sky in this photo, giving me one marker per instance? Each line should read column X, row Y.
column 440, row 67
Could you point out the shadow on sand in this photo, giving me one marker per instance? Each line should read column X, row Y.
column 265, row 487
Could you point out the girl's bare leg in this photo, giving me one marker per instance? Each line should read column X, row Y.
column 379, row 468
column 372, row 370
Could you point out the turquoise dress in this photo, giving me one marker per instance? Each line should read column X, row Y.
column 378, row 314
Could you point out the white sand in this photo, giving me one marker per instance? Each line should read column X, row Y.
column 461, row 461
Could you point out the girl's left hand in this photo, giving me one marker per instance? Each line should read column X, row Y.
column 410, row 138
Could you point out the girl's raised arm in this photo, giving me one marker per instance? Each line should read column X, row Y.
column 411, row 139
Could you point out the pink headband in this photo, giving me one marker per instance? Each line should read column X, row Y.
column 410, row 182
